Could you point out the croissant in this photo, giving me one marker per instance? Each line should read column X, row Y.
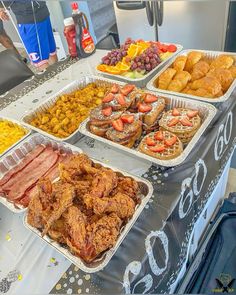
column 179, row 63
column 233, row 71
column 180, row 81
column 222, row 61
column 219, row 94
column 165, row 78
column 192, row 58
column 200, row 69
column 224, row 76
column 211, row 85
column 200, row 92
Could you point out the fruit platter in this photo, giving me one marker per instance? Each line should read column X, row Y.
column 136, row 60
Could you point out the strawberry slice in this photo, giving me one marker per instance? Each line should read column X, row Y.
column 171, row 48
column 192, row 114
column 118, row 125
column 121, row 99
column 108, row 98
column 173, row 122
column 144, row 108
column 127, row 119
column 150, row 98
column 186, row 122
column 114, row 88
column 175, row 112
column 150, row 141
column 159, row 135
column 157, row 148
column 171, row 141
column 107, row 111
column 127, row 89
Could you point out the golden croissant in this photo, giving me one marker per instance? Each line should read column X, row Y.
column 165, row 78
column 192, row 58
column 179, row 63
column 180, row 81
column 200, row 69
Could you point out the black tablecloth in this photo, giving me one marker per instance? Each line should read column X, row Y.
column 152, row 255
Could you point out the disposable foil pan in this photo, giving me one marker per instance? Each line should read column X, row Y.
column 75, row 85
column 206, row 111
column 208, row 54
column 142, row 82
column 28, row 131
column 17, row 154
column 146, row 193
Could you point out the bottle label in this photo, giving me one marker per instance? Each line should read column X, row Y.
column 87, row 41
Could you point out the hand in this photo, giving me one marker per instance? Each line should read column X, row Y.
column 3, row 14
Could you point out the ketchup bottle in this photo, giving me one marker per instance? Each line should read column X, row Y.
column 84, row 42
column 70, row 34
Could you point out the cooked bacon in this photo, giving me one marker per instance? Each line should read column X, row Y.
column 29, row 158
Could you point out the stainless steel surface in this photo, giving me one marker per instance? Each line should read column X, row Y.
column 146, row 193
column 141, row 82
column 21, row 125
column 17, row 154
column 209, row 54
column 206, row 111
column 75, row 136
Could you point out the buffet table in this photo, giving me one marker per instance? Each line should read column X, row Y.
column 153, row 256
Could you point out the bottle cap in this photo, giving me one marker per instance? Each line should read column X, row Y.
column 68, row 21
column 74, row 5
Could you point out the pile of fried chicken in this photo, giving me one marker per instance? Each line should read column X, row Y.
column 86, row 208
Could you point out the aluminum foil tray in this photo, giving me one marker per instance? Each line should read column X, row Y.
column 141, row 82
column 206, row 111
column 17, row 154
column 209, row 54
column 75, row 136
column 22, row 138
column 146, row 193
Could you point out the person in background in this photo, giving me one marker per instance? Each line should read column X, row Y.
column 5, row 40
column 35, row 29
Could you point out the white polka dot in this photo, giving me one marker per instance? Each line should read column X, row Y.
column 80, row 282
column 77, row 276
column 87, row 277
column 70, row 272
column 69, row 291
column 65, row 285
column 87, row 290
column 166, row 174
column 72, row 279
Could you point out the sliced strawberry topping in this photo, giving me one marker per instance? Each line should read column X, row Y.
column 118, row 125
column 150, row 141
column 120, row 99
column 127, row 89
column 114, row 88
column 186, row 122
column 128, row 119
column 175, row 112
column 157, row 148
column 108, row 98
column 192, row 114
column 171, row 141
column 150, row 98
column 159, row 135
column 107, row 111
column 144, row 108
column 173, row 122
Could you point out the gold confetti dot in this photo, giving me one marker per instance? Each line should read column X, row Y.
column 20, row 277
column 79, row 291
column 8, row 237
column 58, row 287
column 64, row 276
column 87, row 277
column 107, row 161
column 53, row 260
column 76, row 268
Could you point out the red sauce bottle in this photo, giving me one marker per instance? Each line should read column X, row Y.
column 84, row 42
column 70, row 34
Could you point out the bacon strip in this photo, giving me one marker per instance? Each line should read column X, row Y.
column 29, row 158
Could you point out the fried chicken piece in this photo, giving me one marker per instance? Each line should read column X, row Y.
column 63, row 194
column 120, row 204
column 40, row 204
column 57, row 231
column 129, row 187
column 72, row 169
column 102, row 185
column 103, row 235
